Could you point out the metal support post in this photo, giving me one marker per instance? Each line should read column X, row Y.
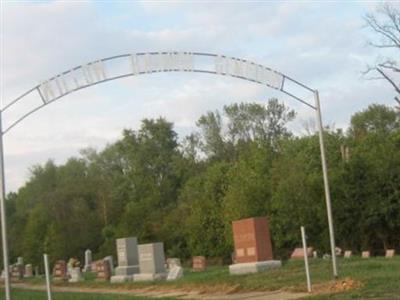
column 7, row 285
column 47, row 272
column 326, row 184
column 303, row 238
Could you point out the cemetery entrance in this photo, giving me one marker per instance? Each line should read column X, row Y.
column 126, row 65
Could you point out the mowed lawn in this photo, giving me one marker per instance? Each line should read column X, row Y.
column 377, row 278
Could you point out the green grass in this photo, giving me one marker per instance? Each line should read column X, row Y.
column 20, row 294
column 380, row 279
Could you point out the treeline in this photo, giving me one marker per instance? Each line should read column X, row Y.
column 241, row 162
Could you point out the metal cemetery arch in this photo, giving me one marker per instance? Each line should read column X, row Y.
column 126, row 65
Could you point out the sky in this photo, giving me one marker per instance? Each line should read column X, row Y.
column 323, row 44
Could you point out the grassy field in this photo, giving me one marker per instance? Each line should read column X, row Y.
column 375, row 278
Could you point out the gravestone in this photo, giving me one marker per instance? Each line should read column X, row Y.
column 103, row 270
column 88, row 261
column 28, row 271
column 75, row 275
column 298, row 253
column 72, row 263
column 93, row 266
column 365, row 254
column 128, row 262
column 253, row 249
column 20, row 260
column 199, row 263
column 17, row 271
column 348, row 254
column 37, row 272
column 173, row 262
column 174, row 273
column 315, row 254
column 151, row 262
column 60, row 270
column 110, row 261
column 326, row 256
column 390, row 253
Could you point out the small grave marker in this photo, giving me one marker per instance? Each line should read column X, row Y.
column 37, row 272
column 72, row 263
column 173, row 262
column 199, row 263
column 390, row 253
column 93, row 266
column 60, row 270
column 17, row 271
column 365, row 254
column 348, row 254
column 110, row 260
column 298, row 253
column 75, row 275
column 28, row 271
column 103, row 270
column 175, row 273
column 20, row 260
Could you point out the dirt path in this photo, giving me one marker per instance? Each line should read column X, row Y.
column 151, row 292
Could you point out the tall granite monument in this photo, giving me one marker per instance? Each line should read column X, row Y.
column 253, row 249
column 128, row 265
column 151, row 262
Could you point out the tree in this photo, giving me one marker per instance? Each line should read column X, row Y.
column 153, row 175
column 201, row 202
column 212, row 141
column 385, row 23
column 371, row 177
column 378, row 119
column 252, row 121
column 224, row 134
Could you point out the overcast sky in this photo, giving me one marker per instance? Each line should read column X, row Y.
column 322, row 44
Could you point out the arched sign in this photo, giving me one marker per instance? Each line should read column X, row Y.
column 126, row 65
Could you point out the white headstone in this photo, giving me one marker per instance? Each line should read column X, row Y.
column 326, row 256
column 173, row 262
column 175, row 273
column 28, row 271
column 75, row 275
column 88, row 261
